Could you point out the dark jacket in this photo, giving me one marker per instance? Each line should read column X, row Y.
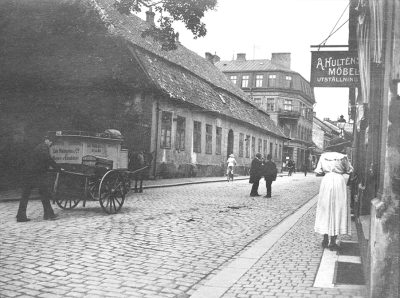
column 39, row 161
column 255, row 170
column 270, row 171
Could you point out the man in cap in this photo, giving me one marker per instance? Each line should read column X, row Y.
column 255, row 175
column 34, row 176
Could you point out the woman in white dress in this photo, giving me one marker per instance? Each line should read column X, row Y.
column 333, row 207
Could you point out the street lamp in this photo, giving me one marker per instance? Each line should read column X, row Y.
column 341, row 124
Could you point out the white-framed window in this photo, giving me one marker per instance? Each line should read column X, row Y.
column 208, row 139
column 253, row 147
column 288, row 105
column 218, row 139
column 245, row 81
column 265, row 152
column 289, row 82
column 272, row 80
column 259, row 80
column 180, row 133
column 166, row 124
column 241, row 144
column 197, row 136
column 271, row 104
column 233, row 79
column 257, row 100
column 247, row 146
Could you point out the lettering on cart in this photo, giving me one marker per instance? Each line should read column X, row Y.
column 65, row 152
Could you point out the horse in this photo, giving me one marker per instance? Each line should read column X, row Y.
column 138, row 163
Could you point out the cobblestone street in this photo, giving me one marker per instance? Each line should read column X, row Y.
column 164, row 243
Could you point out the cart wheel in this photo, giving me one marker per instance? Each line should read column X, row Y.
column 66, row 195
column 112, row 192
column 66, row 201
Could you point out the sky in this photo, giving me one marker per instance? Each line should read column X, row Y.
column 261, row 27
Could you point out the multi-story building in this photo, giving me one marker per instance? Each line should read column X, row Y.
column 322, row 135
column 284, row 94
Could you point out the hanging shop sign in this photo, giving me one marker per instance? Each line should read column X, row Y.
column 334, row 69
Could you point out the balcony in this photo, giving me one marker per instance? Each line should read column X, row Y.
column 291, row 115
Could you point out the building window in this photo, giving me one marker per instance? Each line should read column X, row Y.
column 289, row 82
column 271, row 147
column 288, row 105
column 218, row 139
column 303, row 109
column 259, row 146
column 280, row 152
column 233, row 79
column 257, row 100
column 276, row 151
column 272, row 80
column 208, row 139
column 271, row 104
column 197, row 136
column 166, row 123
column 241, row 144
column 253, row 147
column 247, row 146
column 265, row 152
column 259, row 80
column 245, row 81
column 180, row 133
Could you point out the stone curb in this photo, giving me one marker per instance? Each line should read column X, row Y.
column 148, row 187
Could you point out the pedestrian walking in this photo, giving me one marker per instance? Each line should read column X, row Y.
column 270, row 172
column 255, row 175
column 34, row 176
column 231, row 165
column 333, row 208
column 305, row 168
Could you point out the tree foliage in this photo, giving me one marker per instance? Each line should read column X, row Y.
column 189, row 12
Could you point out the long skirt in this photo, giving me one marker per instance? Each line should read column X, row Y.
column 333, row 207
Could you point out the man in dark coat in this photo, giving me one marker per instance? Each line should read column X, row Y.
column 34, row 176
column 270, row 173
column 255, row 175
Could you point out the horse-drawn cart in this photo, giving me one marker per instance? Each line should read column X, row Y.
column 95, row 168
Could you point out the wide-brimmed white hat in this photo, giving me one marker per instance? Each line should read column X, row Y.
column 231, row 155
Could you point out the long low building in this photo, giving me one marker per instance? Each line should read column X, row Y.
column 81, row 65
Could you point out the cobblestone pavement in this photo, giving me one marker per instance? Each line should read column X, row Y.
column 290, row 267
column 164, row 243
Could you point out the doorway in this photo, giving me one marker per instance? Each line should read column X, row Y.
column 230, row 143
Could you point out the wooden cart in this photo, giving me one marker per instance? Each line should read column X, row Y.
column 95, row 168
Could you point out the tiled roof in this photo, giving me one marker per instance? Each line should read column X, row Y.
column 131, row 27
column 183, row 74
column 193, row 90
column 249, row 65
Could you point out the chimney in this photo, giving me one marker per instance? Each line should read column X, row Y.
column 282, row 59
column 150, row 16
column 177, row 37
column 216, row 58
column 209, row 57
column 241, row 57
column 212, row 58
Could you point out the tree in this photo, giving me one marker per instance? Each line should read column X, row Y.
column 190, row 12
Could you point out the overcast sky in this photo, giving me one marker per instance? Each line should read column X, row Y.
column 261, row 27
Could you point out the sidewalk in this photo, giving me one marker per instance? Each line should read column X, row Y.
column 289, row 261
